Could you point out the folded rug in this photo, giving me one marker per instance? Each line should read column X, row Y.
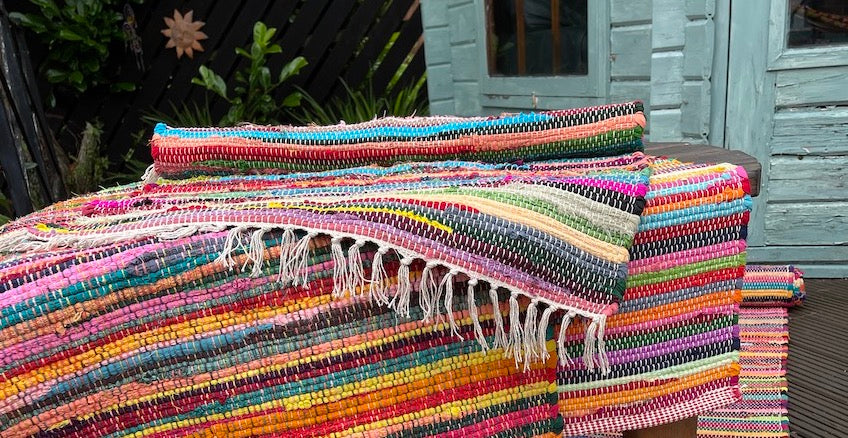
column 319, row 282
column 673, row 345
column 762, row 412
column 773, row 285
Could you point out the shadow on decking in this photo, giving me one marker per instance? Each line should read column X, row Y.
column 818, row 361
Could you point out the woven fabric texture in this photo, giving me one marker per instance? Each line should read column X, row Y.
column 762, row 412
column 673, row 345
column 773, row 285
column 330, row 282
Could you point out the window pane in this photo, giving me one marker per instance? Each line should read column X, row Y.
column 537, row 37
column 817, row 23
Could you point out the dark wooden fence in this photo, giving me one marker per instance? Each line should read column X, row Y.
column 29, row 157
column 339, row 39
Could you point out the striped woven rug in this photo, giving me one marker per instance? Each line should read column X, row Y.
column 762, row 412
column 673, row 345
column 406, row 277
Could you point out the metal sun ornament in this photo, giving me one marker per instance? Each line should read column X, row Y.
column 184, row 33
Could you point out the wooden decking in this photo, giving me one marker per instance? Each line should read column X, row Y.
column 818, row 361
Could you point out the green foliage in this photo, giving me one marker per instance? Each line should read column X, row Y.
column 78, row 35
column 6, row 211
column 252, row 99
column 129, row 169
column 89, row 167
column 360, row 105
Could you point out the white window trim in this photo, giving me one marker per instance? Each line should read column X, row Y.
column 593, row 85
column 784, row 58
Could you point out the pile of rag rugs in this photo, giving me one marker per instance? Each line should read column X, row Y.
column 521, row 275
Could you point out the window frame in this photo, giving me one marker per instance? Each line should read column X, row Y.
column 782, row 57
column 592, row 85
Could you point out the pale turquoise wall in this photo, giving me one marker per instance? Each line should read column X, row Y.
column 788, row 109
column 658, row 51
column 677, row 57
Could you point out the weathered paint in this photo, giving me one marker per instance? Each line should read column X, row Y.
column 709, row 71
column 810, row 131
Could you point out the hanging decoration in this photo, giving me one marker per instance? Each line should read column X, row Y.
column 184, row 33
column 131, row 39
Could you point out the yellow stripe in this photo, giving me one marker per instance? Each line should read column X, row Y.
column 355, row 208
column 456, row 409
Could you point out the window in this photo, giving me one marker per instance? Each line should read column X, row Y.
column 807, row 34
column 817, row 23
column 543, row 53
column 537, row 37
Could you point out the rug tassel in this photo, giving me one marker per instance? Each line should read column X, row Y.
column 287, row 243
column 542, row 333
column 355, row 271
column 179, row 233
column 257, row 251
column 400, row 302
column 300, row 260
column 339, row 267
column 589, row 345
column 377, row 288
column 561, row 351
column 515, row 329
column 530, row 338
column 447, row 281
column 603, row 359
column 427, row 289
column 501, row 341
column 150, row 175
column 475, row 317
column 226, row 255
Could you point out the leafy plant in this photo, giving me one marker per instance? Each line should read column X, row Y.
column 6, row 211
column 252, row 99
column 360, row 105
column 129, row 169
column 89, row 167
column 78, row 35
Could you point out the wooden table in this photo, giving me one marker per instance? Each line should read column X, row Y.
column 688, row 427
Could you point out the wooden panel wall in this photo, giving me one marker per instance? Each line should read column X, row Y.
column 660, row 52
column 793, row 118
column 682, row 41
column 450, row 35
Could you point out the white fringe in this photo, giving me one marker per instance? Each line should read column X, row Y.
column 400, row 302
column 179, row 233
column 355, row 271
column 299, row 260
column 377, row 287
column 287, row 245
column 529, row 336
column 150, row 176
column 589, row 345
column 447, row 281
column 475, row 317
column 561, row 351
column 542, row 332
column 226, row 255
column 339, row 267
column 603, row 359
column 526, row 341
column 501, row 340
column 256, row 252
column 427, row 291
column 514, row 329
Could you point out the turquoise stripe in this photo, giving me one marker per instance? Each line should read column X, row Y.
column 694, row 214
column 354, row 134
